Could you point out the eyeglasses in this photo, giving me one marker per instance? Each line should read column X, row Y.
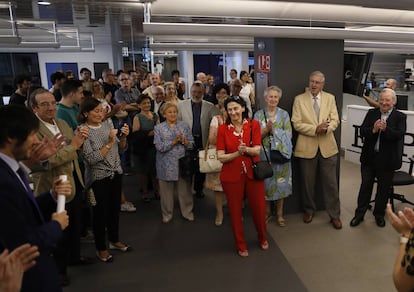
column 47, row 104
column 315, row 82
column 123, row 79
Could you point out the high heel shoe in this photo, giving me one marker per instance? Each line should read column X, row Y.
column 243, row 253
column 121, row 247
column 106, row 259
column 264, row 245
column 219, row 220
column 268, row 218
column 281, row 222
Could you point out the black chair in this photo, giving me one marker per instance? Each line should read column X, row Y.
column 401, row 178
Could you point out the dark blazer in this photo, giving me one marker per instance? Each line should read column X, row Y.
column 21, row 222
column 160, row 116
column 391, row 142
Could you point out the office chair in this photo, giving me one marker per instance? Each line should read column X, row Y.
column 401, row 178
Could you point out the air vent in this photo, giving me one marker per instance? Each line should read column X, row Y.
column 80, row 12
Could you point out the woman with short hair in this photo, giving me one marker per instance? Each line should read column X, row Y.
column 172, row 138
column 276, row 131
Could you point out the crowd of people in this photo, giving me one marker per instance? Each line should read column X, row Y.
column 94, row 131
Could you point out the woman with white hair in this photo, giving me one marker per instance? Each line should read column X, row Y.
column 276, row 131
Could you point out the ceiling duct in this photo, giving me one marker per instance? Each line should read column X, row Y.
column 275, row 31
column 277, row 10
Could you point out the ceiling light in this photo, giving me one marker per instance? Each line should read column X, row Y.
column 46, row 3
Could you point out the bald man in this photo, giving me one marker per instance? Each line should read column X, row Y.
column 390, row 83
column 383, row 131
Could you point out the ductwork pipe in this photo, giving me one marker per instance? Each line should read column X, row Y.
column 276, row 10
column 274, row 31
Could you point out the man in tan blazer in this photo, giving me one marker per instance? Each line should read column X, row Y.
column 315, row 118
column 197, row 113
column 64, row 162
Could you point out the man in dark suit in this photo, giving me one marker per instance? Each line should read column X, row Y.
column 383, row 132
column 24, row 218
column 197, row 113
column 158, row 94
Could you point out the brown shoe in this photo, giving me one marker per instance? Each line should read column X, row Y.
column 307, row 218
column 336, row 223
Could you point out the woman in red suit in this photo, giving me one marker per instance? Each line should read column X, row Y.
column 236, row 153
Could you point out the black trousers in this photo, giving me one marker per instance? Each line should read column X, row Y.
column 199, row 177
column 384, row 182
column 106, row 212
column 68, row 248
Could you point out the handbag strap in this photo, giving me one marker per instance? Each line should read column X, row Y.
column 264, row 113
column 261, row 142
column 206, row 150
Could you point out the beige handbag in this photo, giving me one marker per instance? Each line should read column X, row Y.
column 208, row 160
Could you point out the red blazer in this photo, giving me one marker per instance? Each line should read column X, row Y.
column 229, row 142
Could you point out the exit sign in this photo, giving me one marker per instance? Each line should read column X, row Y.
column 263, row 62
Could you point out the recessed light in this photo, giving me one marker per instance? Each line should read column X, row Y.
column 46, row 3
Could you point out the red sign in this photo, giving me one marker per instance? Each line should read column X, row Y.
column 263, row 63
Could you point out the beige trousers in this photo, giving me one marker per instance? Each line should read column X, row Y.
column 185, row 198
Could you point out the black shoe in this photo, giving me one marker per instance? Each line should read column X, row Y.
column 82, row 261
column 64, row 280
column 380, row 221
column 356, row 221
column 200, row 194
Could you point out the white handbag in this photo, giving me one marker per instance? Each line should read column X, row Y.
column 208, row 161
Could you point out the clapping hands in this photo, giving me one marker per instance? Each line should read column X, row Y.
column 180, row 139
column 403, row 221
column 14, row 264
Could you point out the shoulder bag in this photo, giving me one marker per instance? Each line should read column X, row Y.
column 275, row 155
column 188, row 164
column 261, row 169
column 208, row 161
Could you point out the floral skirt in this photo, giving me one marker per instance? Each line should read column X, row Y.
column 213, row 182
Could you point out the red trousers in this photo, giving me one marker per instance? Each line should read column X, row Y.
column 255, row 192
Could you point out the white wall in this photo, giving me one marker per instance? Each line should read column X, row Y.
column 353, row 146
column 102, row 54
column 238, row 60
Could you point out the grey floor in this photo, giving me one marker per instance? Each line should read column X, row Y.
column 304, row 257
column 352, row 259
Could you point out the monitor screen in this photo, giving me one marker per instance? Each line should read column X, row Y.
column 356, row 69
column 6, row 100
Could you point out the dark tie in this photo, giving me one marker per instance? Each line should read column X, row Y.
column 29, row 191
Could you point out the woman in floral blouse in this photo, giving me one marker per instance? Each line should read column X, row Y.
column 276, row 134
column 172, row 138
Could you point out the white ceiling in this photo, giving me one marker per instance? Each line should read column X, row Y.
column 227, row 22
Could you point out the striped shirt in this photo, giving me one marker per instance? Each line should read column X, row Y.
column 97, row 166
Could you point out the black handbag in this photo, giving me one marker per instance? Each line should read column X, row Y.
column 275, row 155
column 261, row 169
column 188, row 164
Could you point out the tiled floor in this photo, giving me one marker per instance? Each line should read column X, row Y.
column 352, row 259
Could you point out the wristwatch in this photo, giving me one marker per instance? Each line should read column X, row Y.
column 107, row 147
